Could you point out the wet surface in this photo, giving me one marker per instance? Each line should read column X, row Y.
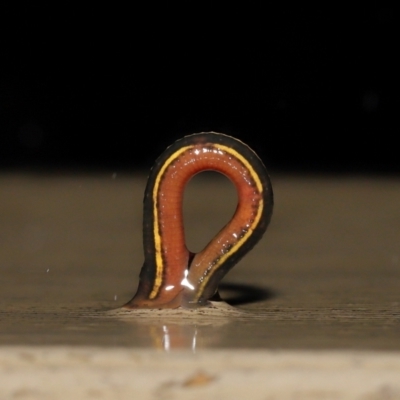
column 325, row 276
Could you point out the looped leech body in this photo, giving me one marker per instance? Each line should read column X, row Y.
column 171, row 275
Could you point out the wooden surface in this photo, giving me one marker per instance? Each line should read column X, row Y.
column 326, row 276
column 38, row 373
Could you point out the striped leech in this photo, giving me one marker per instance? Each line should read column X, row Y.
column 171, row 275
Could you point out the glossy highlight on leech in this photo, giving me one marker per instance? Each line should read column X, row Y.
column 171, row 275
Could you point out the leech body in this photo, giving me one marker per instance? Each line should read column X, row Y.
column 172, row 276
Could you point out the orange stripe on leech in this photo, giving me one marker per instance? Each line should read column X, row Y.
column 156, row 228
column 250, row 230
column 248, row 166
column 158, row 281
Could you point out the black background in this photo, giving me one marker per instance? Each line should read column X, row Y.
column 110, row 87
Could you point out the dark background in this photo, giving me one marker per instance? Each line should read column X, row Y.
column 311, row 90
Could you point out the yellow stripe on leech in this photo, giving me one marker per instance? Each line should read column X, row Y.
column 157, row 237
column 242, row 240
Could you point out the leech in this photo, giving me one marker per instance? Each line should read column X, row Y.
column 171, row 275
